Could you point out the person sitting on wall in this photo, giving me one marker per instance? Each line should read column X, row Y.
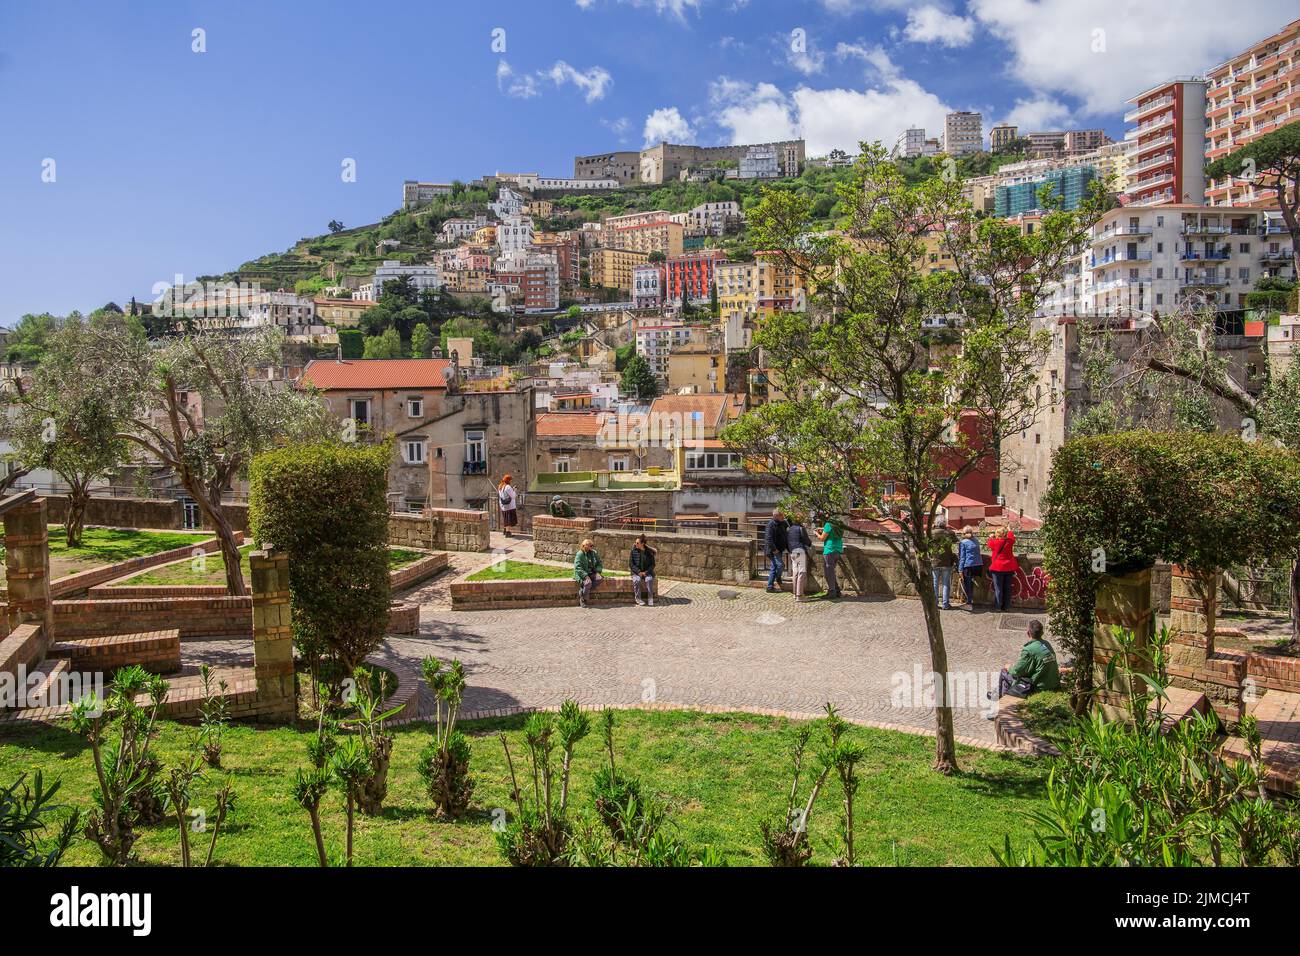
column 587, row 570
column 1034, row 670
column 560, row 508
column 642, row 564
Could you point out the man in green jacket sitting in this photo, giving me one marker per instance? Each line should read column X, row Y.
column 1034, row 670
column 587, row 570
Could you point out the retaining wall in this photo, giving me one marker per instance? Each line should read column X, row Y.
column 440, row 529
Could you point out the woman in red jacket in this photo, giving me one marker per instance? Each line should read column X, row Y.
column 1003, row 567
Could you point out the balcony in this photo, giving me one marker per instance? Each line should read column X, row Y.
column 1154, row 163
column 1111, row 260
column 1121, row 232
column 1213, row 229
column 1145, row 108
column 474, row 468
column 1152, row 145
column 1204, row 279
column 1191, row 255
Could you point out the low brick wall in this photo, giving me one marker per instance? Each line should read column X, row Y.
column 418, row 571
column 440, row 529
column 24, row 647
column 684, row 557
column 403, row 618
column 110, row 592
column 197, row 618
column 158, row 652
column 555, row 592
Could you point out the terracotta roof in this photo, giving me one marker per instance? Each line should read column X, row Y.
column 568, row 424
column 712, row 407
column 376, row 374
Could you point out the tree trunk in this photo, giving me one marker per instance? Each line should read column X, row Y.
column 210, row 505
column 76, row 523
column 1295, row 603
column 945, row 744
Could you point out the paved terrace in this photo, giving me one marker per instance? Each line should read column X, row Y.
column 756, row 651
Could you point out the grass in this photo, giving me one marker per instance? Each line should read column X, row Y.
column 1047, row 714
column 509, row 570
column 721, row 774
column 101, row 546
column 213, row 569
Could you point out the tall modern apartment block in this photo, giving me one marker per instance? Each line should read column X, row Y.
column 1254, row 93
column 963, row 133
column 913, row 142
column 1071, row 185
column 1167, row 161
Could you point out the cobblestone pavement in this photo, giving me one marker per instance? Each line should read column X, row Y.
column 696, row 648
column 709, row 645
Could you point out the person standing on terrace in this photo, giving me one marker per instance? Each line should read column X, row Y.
column 508, row 498
column 1003, row 567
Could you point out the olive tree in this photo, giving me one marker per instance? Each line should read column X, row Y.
column 203, row 407
column 871, row 391
column 70, row 418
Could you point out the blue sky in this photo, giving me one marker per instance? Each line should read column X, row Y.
column 167, row 160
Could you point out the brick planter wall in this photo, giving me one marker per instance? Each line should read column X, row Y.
column 418, row 571
column 158, row 652
column 197, row 618
column 556, row 592
column 440, row 529
column 71, row 584
column 109, row 592
column 162, row 514
column 403, row 618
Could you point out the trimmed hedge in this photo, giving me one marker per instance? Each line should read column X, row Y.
column 324, row 505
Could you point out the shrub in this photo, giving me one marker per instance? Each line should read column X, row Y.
column 367, row 703
column 444, row 763
column 324, row 505
column 23, row 813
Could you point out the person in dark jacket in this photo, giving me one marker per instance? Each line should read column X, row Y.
column 774, row 545
column 642, row 565
column 588, row 570
column 798, row 544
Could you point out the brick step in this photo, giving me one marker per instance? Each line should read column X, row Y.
column 53, row 670
column 158, row 652
column 1278, row 714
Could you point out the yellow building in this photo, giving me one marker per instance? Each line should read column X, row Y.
column 737, row 289
column 612, row 268
column 936, row 257
column 487, row 236
column 341, row 313
column 696, row 367
column 466, row 280
column 539, row 208
column 661, row 236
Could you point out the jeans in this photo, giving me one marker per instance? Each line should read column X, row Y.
column 587, row 583
column 1002, row 589
column 774, row 572
column 968, row 583
column 1006, row 683
column 943, row 581
column 829, row 560
column 646, row 581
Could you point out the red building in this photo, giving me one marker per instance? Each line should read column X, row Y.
column 692, row 272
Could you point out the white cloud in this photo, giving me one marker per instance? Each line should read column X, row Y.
column 1040, row 114
column 875, row 57
column 929, row 24
column 667, row 124
column 519, row 85
column 674, row 8
column 827, row 119
column 1105, row 51
column 592, row 82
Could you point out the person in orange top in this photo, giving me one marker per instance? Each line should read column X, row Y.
column 1003, row 567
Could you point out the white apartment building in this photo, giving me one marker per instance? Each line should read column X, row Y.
column 508, row 203
column 656, row 342
column 760, row 162
column 514, row 233
column 422, row 277
column 914, row 142
column 714, row 218
column 454, row 230
column 963, row 132
column 1156, row 259
column 648, row 285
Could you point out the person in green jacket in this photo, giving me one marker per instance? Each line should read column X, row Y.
column 587, row 570
column 1033, row 671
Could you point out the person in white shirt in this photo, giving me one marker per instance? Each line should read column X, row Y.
column 509, row 501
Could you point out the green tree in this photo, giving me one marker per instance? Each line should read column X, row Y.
column 387, row 345
column 485, row 340
column 352, row 343
column 26, row 341
column 638, row 380
column 71, row 418
column 1274, row 160
column 421, row 341
column 866, row 401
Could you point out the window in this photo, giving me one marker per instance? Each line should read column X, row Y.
column 889, row 489
column 413, row 451
column 1244, row 247
column 360, row 410
column 560, row 466
column 475, row 452
column 1160, row 298
column 415, row 505
column 618, row 464
column 415, row 408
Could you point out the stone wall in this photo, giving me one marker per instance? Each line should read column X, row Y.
column 685, row 557
column 158, row 652
column 160, row 513
column 554, row 592
column 197, row 618
column 440, row 529
column 417, row 571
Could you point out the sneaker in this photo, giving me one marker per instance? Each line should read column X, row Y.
column 990, row 716
column 651, row 602
column 640, row 602
column 772, row 590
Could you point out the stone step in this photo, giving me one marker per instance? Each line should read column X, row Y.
column 1278, row 714
column 23, row 648
column 156, row 651
column 47, row 693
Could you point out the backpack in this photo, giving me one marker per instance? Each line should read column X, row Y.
column 503, row 495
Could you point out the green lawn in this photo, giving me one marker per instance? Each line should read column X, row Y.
column 101, row 546
column 509, row 570
column 213, row 570
column 721, row 773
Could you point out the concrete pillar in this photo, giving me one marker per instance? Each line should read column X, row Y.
column 273, row 635
column 27, row 568
column 1122, row 601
